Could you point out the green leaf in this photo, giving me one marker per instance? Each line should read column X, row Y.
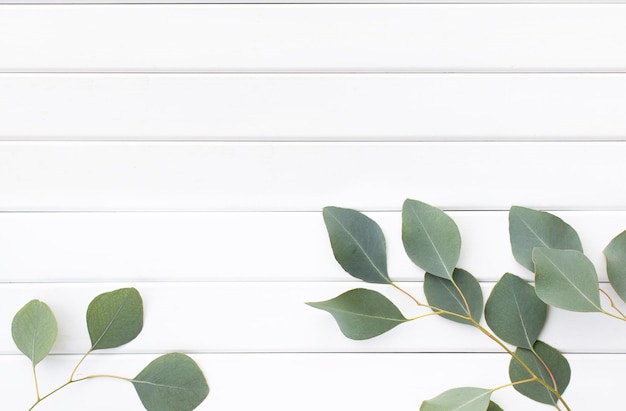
column 514, row 312
column 114, row 318
column 358, row 244
column 615, row 254
column 494, row 407
column 362, row 313
column 566, row 279
column 34, row 330
column 556, row 363
column 442, row 294
column 172, row 382
column 530, row 228
column 431, row 238
column 459, row 399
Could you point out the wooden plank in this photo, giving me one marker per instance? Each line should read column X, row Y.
column 311, row 382
column 273, row 317
column 230, row 246
column 279, row 38
column 115, row 176
column 312, row 107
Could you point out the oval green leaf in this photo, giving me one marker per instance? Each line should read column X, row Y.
column 555, row 362
column 494, row 407
column 358, row 244
column 459, row 399
column 514, row 312
column 615, row 254
column 442, row 294
column 114, row 318
column 362, row 313
column 529, row 228
column 566, row 279
column 431, row 238
column 172, row 382
column 34, row 330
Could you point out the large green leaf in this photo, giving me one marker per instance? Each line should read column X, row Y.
column 514, row 312
column 494, row 407
column 34, row 330
column 431, row 238
column 566, row 279
column 530, row 228
column 362, row 313
column 172, row 382
column 114, row 318
column 358, row 244
column 442, row 294
column 615, row 254
column 459, row 399
column 556, row 363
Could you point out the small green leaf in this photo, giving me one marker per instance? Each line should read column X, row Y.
column 442, row 294
column 431, row 238
column 514, row 312
column 114, row 318
column 566, row 279
column 556, row 363
column 615, row 254
column 459, row 399
column 34, row 330
column 530, row 228
column 362, row 313
column 358, row 244
column 172, row 382
column 494, row 407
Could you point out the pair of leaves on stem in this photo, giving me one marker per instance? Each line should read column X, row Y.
column 171, row 382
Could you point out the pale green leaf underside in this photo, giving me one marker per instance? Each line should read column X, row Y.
column 172, row 382
column 615, row 254
column 114, row 318
column 431, row 238
column 529, row 228
column 459, row 399
column 566, row 279
column 557, row 364
column 442, row 294
column 514, row 312
column 358, row 244
column 34, row 330
column 362, row 313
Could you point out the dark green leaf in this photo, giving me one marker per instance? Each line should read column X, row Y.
column 172, row 382
column 358, row 244
column 361, row 313
column 494, row 407
column 431, row 238
column 615, row 254
column 566, row 279
column 34, row 330
column 114, row 318
column 556, row 363
column 442, row 294
column 459, row 399
column 530, row 228
column 514, row 312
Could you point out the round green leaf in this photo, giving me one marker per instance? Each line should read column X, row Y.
column 431, row 238
column 514, row 312
column 556, row 363
column 172, row 382
column 615, row 254
column 358, row 244
column 34, row 330
column 530, row 228
column 442, row 294
column 114, row 318
column 362, row 313
column 566, row 279
column 494, row 407
column 459, row 399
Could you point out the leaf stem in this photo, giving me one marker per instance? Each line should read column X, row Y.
column 408, row 294
column 511, row 384
column 36, row 383
column 78, row 365
column 554, row 384
column 613, row 304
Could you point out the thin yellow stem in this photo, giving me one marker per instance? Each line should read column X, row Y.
column 613, row 303
column 78, row 365
column 36, row 383
column 554, row 384
column 467, row 308
column 514, row 383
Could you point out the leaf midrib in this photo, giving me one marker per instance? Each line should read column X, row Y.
column 443, row 264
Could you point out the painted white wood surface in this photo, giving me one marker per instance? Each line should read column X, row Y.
column 288, row 38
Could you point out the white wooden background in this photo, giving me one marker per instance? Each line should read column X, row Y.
column 187, row 150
